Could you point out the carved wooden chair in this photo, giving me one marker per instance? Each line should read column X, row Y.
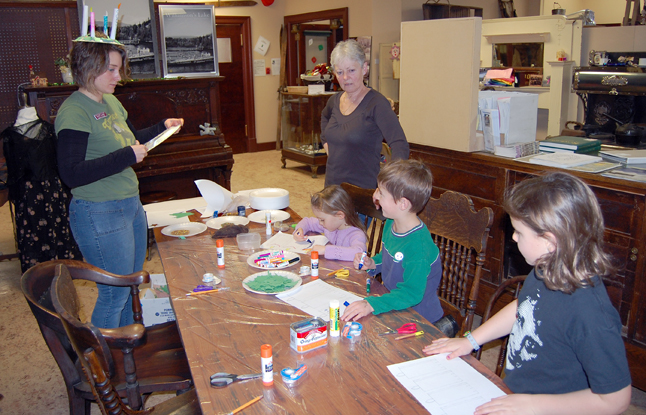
column 509, row 289
column 461, row 235
column 363, row 203
column 159, row 362
column 91, row 344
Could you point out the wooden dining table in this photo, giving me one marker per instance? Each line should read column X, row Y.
column 223, row 332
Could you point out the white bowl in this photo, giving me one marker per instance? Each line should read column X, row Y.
column 269, row 198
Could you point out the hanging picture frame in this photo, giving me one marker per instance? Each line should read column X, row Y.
column 136, row 29
column 188, row 40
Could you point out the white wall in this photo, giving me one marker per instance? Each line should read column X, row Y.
column 605, row 11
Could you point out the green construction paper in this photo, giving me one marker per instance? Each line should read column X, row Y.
column 271, row 283
column 181, row 214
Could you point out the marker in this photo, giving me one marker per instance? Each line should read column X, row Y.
column 363, row 256
column 345, row 303
column 368, row 285
column 346, row 328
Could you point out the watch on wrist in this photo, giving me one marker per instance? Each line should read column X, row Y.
column 473, row 341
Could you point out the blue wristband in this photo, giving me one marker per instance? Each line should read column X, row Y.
column 473, row 341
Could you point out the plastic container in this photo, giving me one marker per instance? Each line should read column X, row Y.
column 248, row 241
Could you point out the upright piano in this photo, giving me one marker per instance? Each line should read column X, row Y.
column 183, row 158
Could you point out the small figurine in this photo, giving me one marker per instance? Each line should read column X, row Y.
column 207, row 129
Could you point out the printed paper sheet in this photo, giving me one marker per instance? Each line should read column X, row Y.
column 445, row 387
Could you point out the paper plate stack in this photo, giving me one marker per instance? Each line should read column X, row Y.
column 269, row 198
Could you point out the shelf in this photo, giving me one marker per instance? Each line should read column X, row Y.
column 518, row 37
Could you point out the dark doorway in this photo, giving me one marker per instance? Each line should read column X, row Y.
column 236, row 91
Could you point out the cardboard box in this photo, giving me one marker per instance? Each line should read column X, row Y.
column 155, row 301
column 316, row 89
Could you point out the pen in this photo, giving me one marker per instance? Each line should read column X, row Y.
column 363, row 256
column 419, row 333
column 368, row 285
column 208, row 291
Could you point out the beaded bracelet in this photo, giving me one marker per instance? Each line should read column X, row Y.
column 473, row 341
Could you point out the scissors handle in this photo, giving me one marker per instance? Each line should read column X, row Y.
column 407, row 328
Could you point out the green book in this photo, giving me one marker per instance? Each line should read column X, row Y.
column 570, row 142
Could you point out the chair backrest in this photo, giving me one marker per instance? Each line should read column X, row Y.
column 95, row 356
column 461, row 235
column 363, row 203
column 82, row 336
column 36, row 287
column 510, row 288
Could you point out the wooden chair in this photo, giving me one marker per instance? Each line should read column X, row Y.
column 510, row 289
column 363, row 203
column 96, row 358
column 159, row 359
column 461, row 235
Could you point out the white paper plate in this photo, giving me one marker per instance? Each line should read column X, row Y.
column 288, row 256
column 259, row 216
column 286, row 274
column 269, row 198
column 216, row 223
column 194, row 228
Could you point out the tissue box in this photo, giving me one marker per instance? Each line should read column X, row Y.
column 155, row 301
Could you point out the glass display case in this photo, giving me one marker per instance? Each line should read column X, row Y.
column 301, row 129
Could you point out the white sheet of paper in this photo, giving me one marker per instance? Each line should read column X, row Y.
column 160, row 214
column 285, row 241
column 314, row 298
column 259, row 67
column 161, row 137
column 445, row 387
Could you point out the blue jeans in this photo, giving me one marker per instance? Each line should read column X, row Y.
column 111, row 236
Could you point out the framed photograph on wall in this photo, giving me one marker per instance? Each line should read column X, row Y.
column 189, row 46
column 136, row 29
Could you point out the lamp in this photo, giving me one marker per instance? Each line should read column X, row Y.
column 586, row 15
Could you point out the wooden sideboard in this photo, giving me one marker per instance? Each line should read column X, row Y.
column 485, row 178
column 183, row 158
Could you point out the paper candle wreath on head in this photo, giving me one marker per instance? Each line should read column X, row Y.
column 91, row 37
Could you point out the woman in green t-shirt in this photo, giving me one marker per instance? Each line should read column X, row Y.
column 97, row 145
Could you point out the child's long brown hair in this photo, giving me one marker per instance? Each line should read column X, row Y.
column 334, row 199
column 563, row 205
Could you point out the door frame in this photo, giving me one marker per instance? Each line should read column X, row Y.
column 292, row 77
column 247, row 76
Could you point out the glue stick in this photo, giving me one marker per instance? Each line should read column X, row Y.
column 315, row 265
column 268, row 221
column 267, row 363
column 334, row 318
column 219, row 247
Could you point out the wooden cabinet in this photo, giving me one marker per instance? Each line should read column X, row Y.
column 485, row 178
column 183, row 158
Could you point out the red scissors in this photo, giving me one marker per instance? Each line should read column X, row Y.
column 408, row 328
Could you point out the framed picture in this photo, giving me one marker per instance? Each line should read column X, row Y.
column 189, row 46
column 136, row 29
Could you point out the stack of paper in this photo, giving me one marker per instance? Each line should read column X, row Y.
column 624, row 156
column 563, row 160
column 500, row 77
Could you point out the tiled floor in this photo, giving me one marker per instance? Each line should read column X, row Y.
column 30, row 380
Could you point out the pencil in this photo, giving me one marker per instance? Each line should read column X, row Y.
column 251, row 402
column 334, row 272
column 208, row 291
column 419, row 333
